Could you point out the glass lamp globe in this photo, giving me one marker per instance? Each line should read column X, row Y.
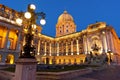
column 42, row 22
column 32, row 6
column 19, row 21
column 27, row 15
column 34, row 26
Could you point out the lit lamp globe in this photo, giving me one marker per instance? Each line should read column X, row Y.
column 19, row 21
column 32, row 6
column 42, row 22
column 27, row 15
column 34, row 26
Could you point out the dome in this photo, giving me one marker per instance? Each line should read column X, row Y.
column 65, row 17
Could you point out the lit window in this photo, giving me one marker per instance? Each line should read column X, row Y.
column 75, row 60
column 59, row 60
column 60, row 31
column 0, row 42
column 64, row 60
column 10, row 59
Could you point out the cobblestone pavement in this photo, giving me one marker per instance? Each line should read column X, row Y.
column 110, row 73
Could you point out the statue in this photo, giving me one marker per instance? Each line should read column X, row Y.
column 95, row 58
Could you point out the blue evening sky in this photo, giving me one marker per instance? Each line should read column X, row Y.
column 84, row 12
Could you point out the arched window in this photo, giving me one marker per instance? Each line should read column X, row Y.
column 10, row 59
column 60, row 31
column 59, row 60
column 67, row 31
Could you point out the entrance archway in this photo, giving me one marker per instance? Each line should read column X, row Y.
column 10, row 59
column 47, row 60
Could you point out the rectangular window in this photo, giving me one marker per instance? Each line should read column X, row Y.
column 10, row 44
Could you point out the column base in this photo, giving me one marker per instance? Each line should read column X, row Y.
column 25, row 69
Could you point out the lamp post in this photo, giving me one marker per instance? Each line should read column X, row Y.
column 26, row 63
column 30, row 16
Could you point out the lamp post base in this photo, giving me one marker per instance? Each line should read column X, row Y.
column 25, row 69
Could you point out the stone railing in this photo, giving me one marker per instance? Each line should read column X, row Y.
column 5, row 75
column 8, row 13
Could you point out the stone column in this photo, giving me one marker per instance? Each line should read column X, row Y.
column 45, row 49
column 6, row 40
column 85, row 44
column 32, row 42
column 108, row 41
column 38, row 56
column 71, row 47
column 88, row 46
column 66, row 48
column 50, row 49
column 104, row 42
column 77, row 47
column 38, row 48
column 111, row 42
column 57, row 49
column 18, row 42
column 24, row 41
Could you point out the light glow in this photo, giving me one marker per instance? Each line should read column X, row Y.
column 57, row 54
column 19, row 21
column 77, row 53
column 38, row 53
column 42, row 22
column 45, row 54
column 32, row 6
column 34, row 26
column 33, row 32
column 27, row 15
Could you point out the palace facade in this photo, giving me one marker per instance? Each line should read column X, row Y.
column 68, row 47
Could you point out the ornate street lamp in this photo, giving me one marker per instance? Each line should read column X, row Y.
column 30, row 18
column 26, row 63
